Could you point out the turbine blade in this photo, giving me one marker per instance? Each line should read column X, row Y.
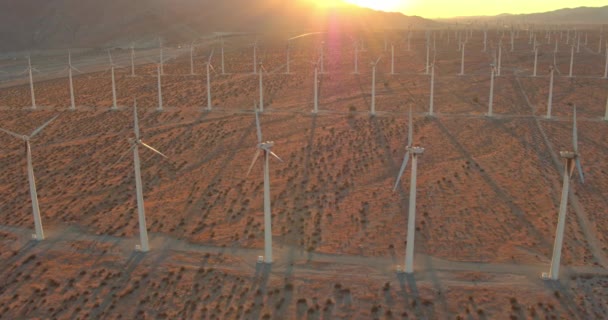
column 574, row 132
column 37, row 131
column 378, row 60
column 154, row 150
column 258, row 128
column 210, row 56
column 579, row 168
column 274, row 155
column 403, row 165
column 18, row 136
column 255, row 158
column 410, row 130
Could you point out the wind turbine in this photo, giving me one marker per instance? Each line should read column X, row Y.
column 70, row 68
column 606, row 114
column 255, row 56
column 572, row 159
column 30, row 175
column 316, row 88
column 112, row 65
column 432, row 94
column 571, row 61
column 392, row 59
column 261, row 85
column 160, row 90
column 373, row 105
column 135, row 143
column 222, row 50
column 462, row 60
column 356, row 57
column 550, row 99
column 411, row 221
column 606, row 65
column 499, row 58
column 491, row 100
column 192, row 59
column 266, row 148
column 288, row 50
column 29, row 70
column 209, row 66
column 132, row 60
column 535, row 60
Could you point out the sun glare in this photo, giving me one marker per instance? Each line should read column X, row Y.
column 384, row 5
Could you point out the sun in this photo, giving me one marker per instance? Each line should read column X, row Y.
column 383, row 5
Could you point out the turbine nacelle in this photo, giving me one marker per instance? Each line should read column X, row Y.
column 416, row 150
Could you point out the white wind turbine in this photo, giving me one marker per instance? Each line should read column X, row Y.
column 266, row 148
column 411, row 221
column 133, row 60
column 261, row 85
column 462, row 60
column 606, row 114
column 29, row 70
column 392, row 59
column 255, row 56
column 192, row 59
column 491, row 100
column 373, row 104
column 316, row 87
column 572, row 160
column 222, row 51
column 209, row 67
column 535, row 60
column 571, row 61
column 499, row 67
column 112, row 66
column 356, row 57
column 160, row 88
column 30, row 175
column 135, row 143
column 432, row 94
column 550, row 99
column 70, row 69
column 606, row 64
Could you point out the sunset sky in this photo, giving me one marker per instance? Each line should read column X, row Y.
column 452, row 8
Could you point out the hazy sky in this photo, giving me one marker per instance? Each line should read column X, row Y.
column 452, row 8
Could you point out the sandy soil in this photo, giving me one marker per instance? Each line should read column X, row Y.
column 487, row 197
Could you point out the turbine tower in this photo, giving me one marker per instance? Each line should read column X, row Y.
column 572, row 159
column 160, row 90
column 392, row 59
column 411, row 221
column 261, row 85
column 39, row 235
column 550, row 99
column 255, row 56
column 29, row 70
column 571, row 61
column 112, row 66
column 316, row 88
column 491, row 99
column 135, row 143
column 266, row 148
column 356, row 57
column 432, row 94
column 209, row 66
column 132, row 60
column 462, row 60
column 192, row 59
column 535, row 60
column 373, row 105
column 70, row 69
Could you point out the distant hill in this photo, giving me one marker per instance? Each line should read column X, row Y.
column 32, row 24
column 581, row 15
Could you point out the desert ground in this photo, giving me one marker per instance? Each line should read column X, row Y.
column 488, row 188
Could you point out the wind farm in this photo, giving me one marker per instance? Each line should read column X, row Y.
column 412, row 178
